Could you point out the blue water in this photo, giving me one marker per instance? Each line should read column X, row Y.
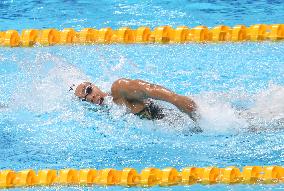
column 114, row 13
column 238, row 87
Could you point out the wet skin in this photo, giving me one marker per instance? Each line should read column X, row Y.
column 134, row 94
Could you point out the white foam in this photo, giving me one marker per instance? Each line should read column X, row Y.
column 269, row 103
column 47, row 90
column 220, row 115
column 50, row 79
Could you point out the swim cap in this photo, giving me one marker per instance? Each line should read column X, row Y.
column 75, row 84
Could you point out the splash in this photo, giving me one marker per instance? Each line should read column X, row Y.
column 113, row 71
column 47, row 82
column 268, row 110
column 238, row 111
column 219, row 116
column 269, row 103
column 47, row 79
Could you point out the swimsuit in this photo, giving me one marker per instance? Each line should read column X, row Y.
column 151, row 112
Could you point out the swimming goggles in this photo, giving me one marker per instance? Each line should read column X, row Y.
column 88, row 90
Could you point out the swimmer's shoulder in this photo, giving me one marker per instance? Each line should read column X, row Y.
column 119, row 89
column 118, row 85
column 120, row 81
column 123, row 84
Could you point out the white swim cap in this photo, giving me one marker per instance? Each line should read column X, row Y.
column 74, row 85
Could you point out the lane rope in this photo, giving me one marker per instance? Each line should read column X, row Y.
column 146, row 178
column 144, row 35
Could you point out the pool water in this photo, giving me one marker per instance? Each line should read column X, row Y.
column 114, row 13
column 238, row 87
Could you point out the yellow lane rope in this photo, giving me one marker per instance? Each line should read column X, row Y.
column 146, row 178
column 126, row 35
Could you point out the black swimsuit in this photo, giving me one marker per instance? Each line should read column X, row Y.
column 151, row 112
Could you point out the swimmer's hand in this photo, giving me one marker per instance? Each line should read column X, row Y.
column 186, row 105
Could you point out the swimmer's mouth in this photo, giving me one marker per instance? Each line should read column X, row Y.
column 101, row 100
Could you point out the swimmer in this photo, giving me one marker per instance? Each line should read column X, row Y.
column 137, row 95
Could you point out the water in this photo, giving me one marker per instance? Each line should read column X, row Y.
column 238, row 87
column 98, row 14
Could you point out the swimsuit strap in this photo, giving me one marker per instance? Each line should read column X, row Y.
column 151, row 111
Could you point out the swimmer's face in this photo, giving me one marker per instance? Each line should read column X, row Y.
column 91, row 93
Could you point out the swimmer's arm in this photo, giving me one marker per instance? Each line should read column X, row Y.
column 183, row 103
column 141, row 90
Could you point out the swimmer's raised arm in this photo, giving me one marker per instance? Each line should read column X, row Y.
column 138, row 90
